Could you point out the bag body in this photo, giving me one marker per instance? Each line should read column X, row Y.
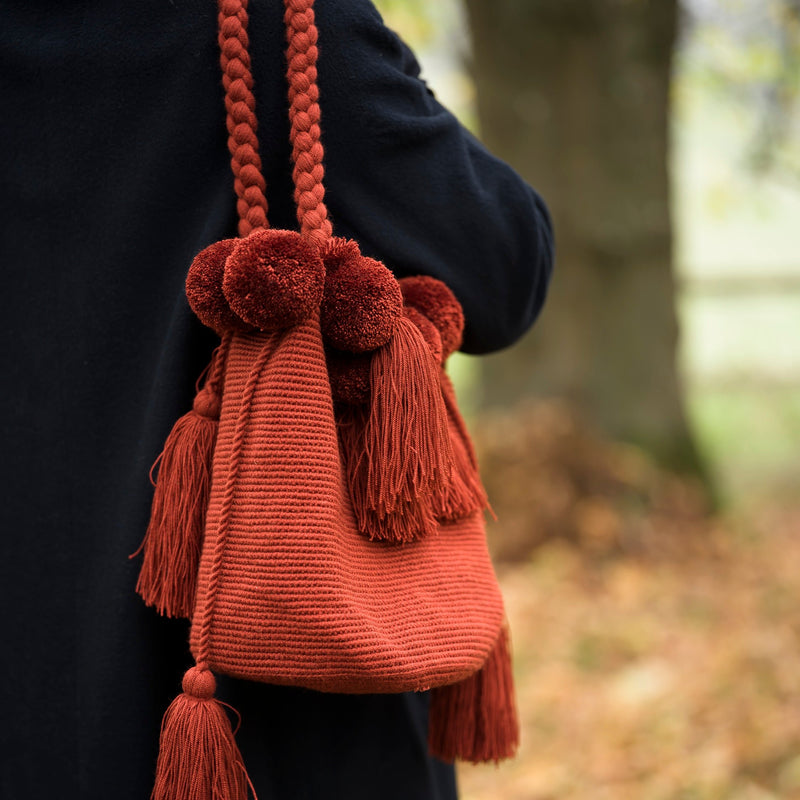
column 300, row 596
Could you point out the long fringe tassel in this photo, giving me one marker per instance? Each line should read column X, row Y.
column 198, row 758
column 476, row 719
column 406, row 524
column 168, row 577
column 465, row 493
column 397, row 451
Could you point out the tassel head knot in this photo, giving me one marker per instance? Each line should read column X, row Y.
column 199, row 682
column 207, row 403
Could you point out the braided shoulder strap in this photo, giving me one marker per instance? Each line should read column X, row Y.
column 304, row 116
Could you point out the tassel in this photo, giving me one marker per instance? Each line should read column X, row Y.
column 476, row 719
column 397, row 452
column 168, row 577
column 198, row 758
column 405, row 524
column 465, row 493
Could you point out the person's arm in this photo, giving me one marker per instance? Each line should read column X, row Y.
column 417, row 190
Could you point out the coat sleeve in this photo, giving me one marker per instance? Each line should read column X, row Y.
column 417, row 189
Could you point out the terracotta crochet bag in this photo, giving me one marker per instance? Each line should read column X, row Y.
column 318, row 514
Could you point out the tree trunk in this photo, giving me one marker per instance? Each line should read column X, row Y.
column 575, row 95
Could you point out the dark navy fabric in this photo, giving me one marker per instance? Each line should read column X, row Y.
column 113, row 174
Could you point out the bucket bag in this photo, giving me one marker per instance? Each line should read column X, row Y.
column 318, row 514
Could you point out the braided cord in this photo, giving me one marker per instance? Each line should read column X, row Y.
column 240, row 105
column 216, row 372
column 226, row 509
column 304, row 115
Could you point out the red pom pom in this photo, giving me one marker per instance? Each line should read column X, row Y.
column 362, row 300
column 204, row 289
column 339, row 251
column 435, row 300
column 430, row 333
column 349, row 377
column 274, row 279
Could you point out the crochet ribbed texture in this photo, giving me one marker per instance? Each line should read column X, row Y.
column 289, row 591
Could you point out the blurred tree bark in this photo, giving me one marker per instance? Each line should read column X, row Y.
column 575, row 94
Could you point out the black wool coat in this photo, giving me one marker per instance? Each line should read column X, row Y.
column 114, row 173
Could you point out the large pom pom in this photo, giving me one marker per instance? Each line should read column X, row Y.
column 274, row 279
column 435, row 300
column 204, row 289
column 362, row 301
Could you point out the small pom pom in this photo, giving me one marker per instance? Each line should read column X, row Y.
column 362, row 301
column 430, row 333
column 204, row 289
column 349, row 377
column 435, row 300
column 274, row 279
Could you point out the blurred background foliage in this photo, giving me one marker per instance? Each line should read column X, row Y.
column 640, row 445
column 734, row 199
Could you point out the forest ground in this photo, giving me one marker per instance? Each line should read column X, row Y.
column 657, row 645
